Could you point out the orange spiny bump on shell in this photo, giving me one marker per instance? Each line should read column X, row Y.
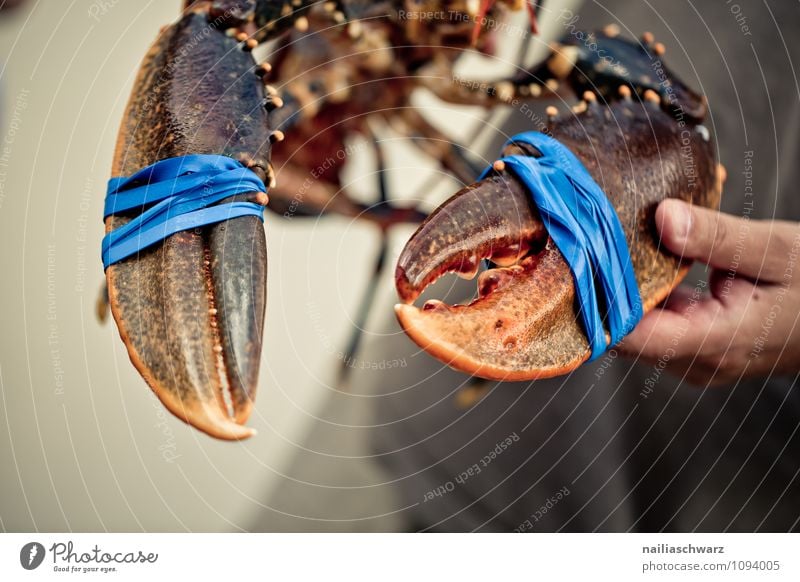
column 499, row 166
column 552, row 84
column 261, row 198
column 652, row 97
column 242, row 36
column 648, row 38
column 624, row 91
column 251, row 43
column 659, row 48
column 505, row 91
column 271, row 176
column 263, row 70
column 589, row 97
column 611, row 30
column 551, row 111
column 580, row 107
column 301, row 24
column 277, row 135
column 355, row 30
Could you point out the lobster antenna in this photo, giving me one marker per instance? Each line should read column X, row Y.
column 482, row 11
column 532, row 8
column 486, row 5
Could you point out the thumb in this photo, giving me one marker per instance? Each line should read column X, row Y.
column 759, row 249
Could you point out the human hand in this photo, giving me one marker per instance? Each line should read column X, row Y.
column 747, row 324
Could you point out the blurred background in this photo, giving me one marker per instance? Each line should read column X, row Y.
column 355, row 444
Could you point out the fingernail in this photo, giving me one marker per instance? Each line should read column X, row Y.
column 681, row 220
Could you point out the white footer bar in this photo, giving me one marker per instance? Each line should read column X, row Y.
column 402, row 557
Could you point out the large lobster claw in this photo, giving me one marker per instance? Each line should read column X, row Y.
column 524, row 323
column 191, row 309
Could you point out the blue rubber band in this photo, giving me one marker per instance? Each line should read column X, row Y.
column 584, row 226
column 183, row 192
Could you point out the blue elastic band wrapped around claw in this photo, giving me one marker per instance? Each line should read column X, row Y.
column 182, row 191
column 585, row 228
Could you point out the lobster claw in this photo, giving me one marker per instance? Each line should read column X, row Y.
column 191, row 315
column 190, row 309
column 524, row 323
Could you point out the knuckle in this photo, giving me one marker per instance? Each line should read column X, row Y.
column 712, row 362
column 784, row 249
column 723, row 238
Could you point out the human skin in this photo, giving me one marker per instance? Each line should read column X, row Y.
column 745, row 323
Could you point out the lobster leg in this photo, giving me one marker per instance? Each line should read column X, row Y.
column 524, row 323
column 434, row 143
column 601, row 64
column 190, row 310
column 439, row 80
column 299, row 194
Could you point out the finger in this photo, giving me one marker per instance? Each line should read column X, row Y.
column 699, row 328
column 698, row 373
column 759, row 249
column 735, row 293
column 682, row 298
